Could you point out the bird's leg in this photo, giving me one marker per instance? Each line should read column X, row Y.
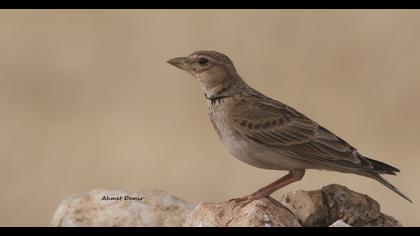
column 293, row 176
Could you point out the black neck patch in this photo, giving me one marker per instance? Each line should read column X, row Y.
column 214, row 99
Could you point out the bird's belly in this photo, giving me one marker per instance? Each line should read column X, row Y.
column 263, row 157
column 258, row 155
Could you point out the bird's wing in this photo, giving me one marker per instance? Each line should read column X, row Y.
column 279, row 126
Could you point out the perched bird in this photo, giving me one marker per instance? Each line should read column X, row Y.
column 269, row 134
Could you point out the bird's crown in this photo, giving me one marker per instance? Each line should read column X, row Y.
column 214, row 55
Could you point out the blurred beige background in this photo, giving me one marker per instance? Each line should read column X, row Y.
column 87, row 100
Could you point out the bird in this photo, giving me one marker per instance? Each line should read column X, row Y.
column 269, row 134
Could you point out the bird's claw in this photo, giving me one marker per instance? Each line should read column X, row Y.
column 243, row 201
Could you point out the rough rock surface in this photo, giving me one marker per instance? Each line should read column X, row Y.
column 308, row 206
column 117, row 207
column 335, row 202
column 333, row 205
column 262, row 212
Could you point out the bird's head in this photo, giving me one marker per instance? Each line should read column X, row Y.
column 210, row 68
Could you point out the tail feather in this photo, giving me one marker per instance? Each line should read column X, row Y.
column 382, row 168
column 385, row 182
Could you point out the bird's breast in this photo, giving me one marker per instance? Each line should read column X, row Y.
column 243, row 149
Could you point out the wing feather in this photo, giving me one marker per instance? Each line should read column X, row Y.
column 279, row 126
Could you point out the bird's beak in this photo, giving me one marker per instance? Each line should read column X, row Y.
column 180, row 62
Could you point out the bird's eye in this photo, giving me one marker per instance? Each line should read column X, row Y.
column 203, row 61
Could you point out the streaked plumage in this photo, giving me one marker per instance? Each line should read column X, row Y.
column 269, row 134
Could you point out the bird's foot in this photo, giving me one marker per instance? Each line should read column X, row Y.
column 243, row 201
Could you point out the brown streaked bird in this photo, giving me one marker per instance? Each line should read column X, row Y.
column 269, row 134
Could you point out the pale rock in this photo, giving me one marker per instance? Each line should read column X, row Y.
column 333, row 205
column 154, row 208
column 265, row 212
column 339, row 223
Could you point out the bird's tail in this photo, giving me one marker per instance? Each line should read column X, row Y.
column 389, row 185
column 382, row 167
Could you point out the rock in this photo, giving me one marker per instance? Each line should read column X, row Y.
column 340, row 223
column 354, row 208
column 335, row 202
column 384, row 221
column 117, row 207
column 308, row 206
column 333, row 205
column 264, row 212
